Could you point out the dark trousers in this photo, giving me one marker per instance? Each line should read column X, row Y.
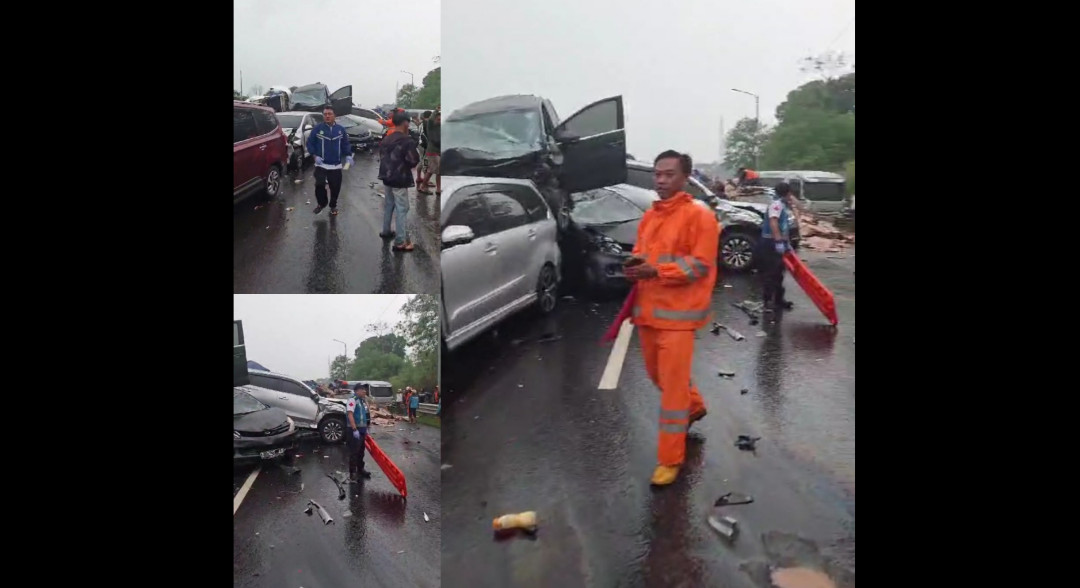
column 322, row 176
column 771, row 272
column 356, row 452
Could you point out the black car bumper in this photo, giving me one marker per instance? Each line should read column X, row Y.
column 366, row 144
column 604, row 271
column 263, row 448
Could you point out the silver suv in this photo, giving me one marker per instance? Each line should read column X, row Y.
column 302, row 404
column 499, row 254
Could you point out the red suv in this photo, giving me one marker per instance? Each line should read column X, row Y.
column 260, row 151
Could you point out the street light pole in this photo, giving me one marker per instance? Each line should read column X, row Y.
column 344, row 346
column 757, row 121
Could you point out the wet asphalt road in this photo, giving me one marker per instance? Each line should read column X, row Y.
column 276, row 251
column 525, row 428
column 276, row 545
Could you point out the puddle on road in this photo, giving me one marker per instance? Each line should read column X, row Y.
column 800, row 578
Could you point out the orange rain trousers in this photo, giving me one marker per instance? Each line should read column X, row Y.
column 668, row 356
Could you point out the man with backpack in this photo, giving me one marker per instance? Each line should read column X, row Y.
column 397, row 157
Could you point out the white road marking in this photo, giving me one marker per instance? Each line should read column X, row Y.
column 610, row 379
column 244, row 490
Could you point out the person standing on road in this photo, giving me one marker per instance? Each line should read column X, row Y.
column 434, row 147
column 674, row 267
column 359, row 420
column 414, row 405
column 329, row 143
column 420, row 169
column 748, row 177
column 773, row 244
column 397, row 158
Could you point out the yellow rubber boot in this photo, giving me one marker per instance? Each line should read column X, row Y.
column 664, row 475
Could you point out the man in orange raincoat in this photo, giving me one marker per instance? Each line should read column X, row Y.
column 674, row 265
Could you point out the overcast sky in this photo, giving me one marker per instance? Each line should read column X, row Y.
column 294, row 334
column 336, row 42
column 674, row 63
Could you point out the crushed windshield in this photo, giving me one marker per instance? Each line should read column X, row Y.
column 347, row 122
column 243, row 403
column 315, row 97
column 603, row 207
column 509, row 133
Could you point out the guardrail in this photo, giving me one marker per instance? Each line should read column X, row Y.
column 428, row 408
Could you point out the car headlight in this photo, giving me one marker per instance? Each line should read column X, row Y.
column 235, row 435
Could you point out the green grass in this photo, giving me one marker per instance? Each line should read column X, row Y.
column 429, row 420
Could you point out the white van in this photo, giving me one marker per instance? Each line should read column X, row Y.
column 820, row 191
column 379, row 392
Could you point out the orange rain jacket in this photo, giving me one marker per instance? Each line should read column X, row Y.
column 680, row 239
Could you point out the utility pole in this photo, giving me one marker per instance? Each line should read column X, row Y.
column 241, row 82
column 723, row 138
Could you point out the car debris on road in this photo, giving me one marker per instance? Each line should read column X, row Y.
column 323, row 514
column 725, row 525
column 731, row 332
column 341, row 489
column 746, row 442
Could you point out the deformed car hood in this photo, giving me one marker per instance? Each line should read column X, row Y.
column 624, row 234
column 467, row 162
column 260, row 420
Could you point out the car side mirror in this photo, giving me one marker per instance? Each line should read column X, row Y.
column 457, row 235
column 308, row 127
column 562, row 135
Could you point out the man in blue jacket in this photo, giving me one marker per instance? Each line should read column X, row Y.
column 329, row 143
column 359, row 419
column 775, row 241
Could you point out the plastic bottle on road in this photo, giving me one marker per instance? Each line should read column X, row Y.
column 524, row 520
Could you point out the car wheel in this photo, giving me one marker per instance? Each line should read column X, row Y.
column 332, row 430
column 547, row 286
column 273, row 182
column 737, row 251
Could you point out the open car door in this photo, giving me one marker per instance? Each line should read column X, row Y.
column 593, row 145
column 342, row 101
column 239, row 355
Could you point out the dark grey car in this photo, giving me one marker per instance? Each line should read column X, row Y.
column 740, row 221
